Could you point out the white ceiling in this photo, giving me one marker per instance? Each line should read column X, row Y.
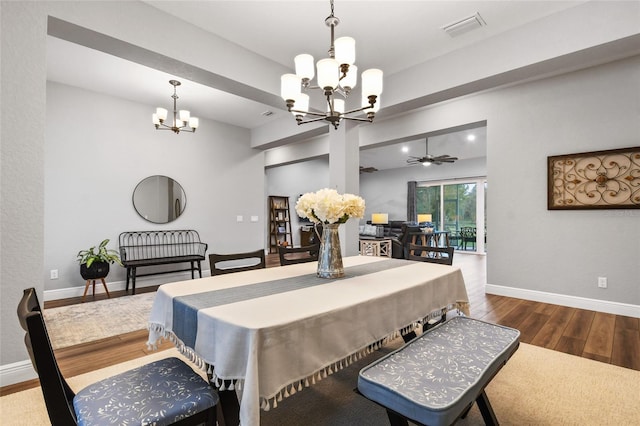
column 455, row 144
column 390, row 35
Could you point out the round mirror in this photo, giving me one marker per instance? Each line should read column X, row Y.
column 159, row 199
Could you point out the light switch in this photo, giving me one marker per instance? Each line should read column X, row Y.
column 239, row 218
column 254, row 218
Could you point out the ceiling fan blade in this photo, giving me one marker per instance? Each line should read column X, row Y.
column 367, row 169
column 416, row 160
column 430, row 159
column 446, row 158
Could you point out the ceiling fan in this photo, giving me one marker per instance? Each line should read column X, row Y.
column 367, row 169
column 427, row 160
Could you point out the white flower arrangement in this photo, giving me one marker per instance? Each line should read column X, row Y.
column 327, row 206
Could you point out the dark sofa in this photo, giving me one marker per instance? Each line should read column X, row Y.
column 398, row 231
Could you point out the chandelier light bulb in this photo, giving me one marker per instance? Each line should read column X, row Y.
column 302, row 105
column 155, row 119
column 161, row 113
column 372, row 82
column 304, row 66
column 351, row 79
column 328, row 73
column 289, row 86
column 185, row 115
column 345, row 48
column 194, row 122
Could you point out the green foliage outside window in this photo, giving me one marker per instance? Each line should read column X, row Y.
column 459, row 205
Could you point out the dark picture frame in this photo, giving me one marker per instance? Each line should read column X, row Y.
column 607, row 179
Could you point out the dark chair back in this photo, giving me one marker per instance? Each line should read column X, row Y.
column 441, row 255
column 257, row 261
column 468, row 235
column 292, row 255
column 58, row 396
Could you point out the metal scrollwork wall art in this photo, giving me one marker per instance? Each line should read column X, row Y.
column 595, row 180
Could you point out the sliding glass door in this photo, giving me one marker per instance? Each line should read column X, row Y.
column 458, row 207
column 428, row 201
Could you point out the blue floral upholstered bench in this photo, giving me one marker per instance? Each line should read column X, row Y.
column 435, row 378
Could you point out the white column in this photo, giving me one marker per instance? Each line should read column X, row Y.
column 480, row 216
column 344, row 162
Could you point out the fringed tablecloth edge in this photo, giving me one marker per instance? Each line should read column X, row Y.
column 158, row 331
column 266, row 403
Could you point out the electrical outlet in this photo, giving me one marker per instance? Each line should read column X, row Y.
column 254, row 218
column 602, row 282
column 239, row 219
column 54, row 274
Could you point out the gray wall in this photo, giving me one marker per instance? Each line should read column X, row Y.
column 294, row 179
column 557, row 252
column 385, row 191
column 537, row 254
column 98, row 148
column 561, row 251
column 222, row 177
column 22, row 165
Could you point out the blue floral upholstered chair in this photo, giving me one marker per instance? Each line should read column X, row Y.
column 163, row 392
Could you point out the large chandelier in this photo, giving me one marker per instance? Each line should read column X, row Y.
column 337, row 75
column 182, row 120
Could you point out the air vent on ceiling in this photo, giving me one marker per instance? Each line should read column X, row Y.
column 464, row 25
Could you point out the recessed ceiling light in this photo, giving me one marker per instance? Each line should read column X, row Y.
column 471, row 137
column 405, row 149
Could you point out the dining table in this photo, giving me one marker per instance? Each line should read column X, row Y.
column 268, row 333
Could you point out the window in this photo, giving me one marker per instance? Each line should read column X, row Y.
column 456, row 206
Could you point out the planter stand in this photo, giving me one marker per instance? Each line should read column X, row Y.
column 98, row 271
column 86, row 287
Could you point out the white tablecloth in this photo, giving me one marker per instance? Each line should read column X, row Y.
column 282, row 342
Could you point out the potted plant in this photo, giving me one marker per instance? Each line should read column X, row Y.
column 95, row 264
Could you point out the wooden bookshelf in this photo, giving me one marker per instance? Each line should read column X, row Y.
column 279, row 222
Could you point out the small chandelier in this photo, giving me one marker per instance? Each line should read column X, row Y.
column 182, row 120
column 337, row 75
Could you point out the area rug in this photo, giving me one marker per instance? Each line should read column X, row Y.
column 536, row 387
column 90, row 321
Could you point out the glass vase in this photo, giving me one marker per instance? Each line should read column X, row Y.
column 330, row 256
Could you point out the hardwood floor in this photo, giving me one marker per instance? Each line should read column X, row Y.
column 602, row 337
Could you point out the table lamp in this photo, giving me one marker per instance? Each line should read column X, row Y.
column 379, row 219
column 424, row 218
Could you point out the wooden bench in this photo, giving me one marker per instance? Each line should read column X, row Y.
column 152, row 248
column 436, row 377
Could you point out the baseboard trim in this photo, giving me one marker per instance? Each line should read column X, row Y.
column 141, row 282
column 605, row 306
column 17, row 372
